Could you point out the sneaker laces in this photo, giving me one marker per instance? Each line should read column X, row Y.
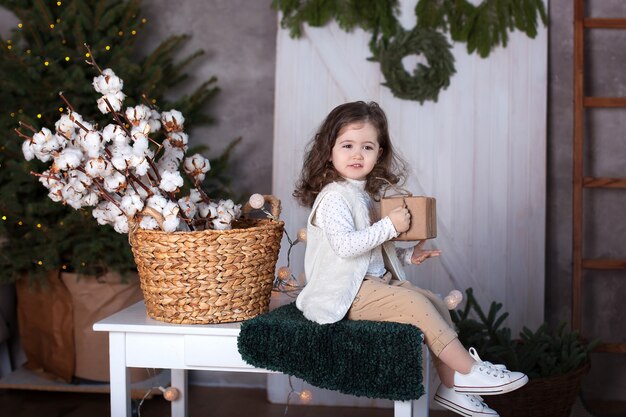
column 498, row 370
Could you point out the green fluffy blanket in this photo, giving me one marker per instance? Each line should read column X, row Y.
column 364, row 358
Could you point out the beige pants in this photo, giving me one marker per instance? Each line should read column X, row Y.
column 382, row 300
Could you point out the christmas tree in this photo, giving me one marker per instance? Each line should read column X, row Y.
column 44, row 55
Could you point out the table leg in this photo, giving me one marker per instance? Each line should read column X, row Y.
column 179, row 381
column 120, row 377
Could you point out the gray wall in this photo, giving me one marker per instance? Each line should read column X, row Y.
column 605, row 228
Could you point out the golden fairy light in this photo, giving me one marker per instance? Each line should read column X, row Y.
column 46, row 63
column 305, row 396
column 51, row 25
column 4, row 217
column 284, row 272
column 67, row 58
column 61, row 109
column 108, row 48
column 134, row 32
column 19, row 25
column 39, row 115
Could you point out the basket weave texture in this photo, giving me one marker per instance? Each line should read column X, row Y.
column 551, row 396
column 208, row 276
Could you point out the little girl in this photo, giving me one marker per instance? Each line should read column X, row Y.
column 353, row 271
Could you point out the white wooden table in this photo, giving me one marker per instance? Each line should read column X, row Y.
column 135, row 340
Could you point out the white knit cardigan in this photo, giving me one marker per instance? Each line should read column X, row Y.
column 333, row 282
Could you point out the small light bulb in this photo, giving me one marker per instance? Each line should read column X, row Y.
column 306, row 396
column 302, row 234
column 87, row 54
column 46, row 63
column 4, row 217
column 19, row 25
column 67, row 58
column 284, row 272
column 51, row 25
column 38, row 225
column 134, row 32
column 39, row 116
column 39, row 262
column 61, row 109
column 108, row 48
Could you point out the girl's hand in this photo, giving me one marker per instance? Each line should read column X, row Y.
column 401, row 218
column 420, row 255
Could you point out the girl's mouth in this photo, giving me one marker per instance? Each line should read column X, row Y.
column 355, row 166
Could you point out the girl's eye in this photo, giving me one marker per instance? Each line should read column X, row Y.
column 369, row 148
column 347, row 146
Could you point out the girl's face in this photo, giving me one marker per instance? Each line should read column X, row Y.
column 356, row 150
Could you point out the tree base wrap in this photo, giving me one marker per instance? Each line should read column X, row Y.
column 362, row 358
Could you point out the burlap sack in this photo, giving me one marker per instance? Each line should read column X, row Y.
column 46, row 327
column 94, row 299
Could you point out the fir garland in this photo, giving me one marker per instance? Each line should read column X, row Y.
column 482, row 27
column 426, row 81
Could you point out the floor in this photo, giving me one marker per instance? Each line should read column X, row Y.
column 206, row 401
column 203, row 401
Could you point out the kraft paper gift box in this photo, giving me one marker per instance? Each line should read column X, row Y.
column 423, row 215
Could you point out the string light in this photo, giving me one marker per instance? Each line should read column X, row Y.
column 107, row 47
column 39, row 115
column 46, row 63
column 20, row 223
column 9, row 47
column 4, row 217
column 28, row 51
column 60, row 109
column 58, row 3
column 64, row 267
column 67, row 58
column 39, row 262
column 38, row 225
column 87, row 54
column 51, row 25
column 120, row 33
column 19, row 25
column 134, row 32
column 12, row 114
column 144, row 20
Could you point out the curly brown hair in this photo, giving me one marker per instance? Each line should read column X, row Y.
column 318, row 171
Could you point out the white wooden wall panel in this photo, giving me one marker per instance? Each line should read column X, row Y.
column 480, row 150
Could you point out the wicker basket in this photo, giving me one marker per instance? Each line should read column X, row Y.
column 552, row 396
column 209, row 276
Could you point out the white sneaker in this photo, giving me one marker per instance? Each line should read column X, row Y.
column 488, row 379
column 463, row 404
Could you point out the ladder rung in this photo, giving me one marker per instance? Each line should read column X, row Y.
column 604, row 263
column 601, row 182
column 611, row 347
column 604, row 102
column 605, row 23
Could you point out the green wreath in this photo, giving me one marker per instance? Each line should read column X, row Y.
column 426, row 81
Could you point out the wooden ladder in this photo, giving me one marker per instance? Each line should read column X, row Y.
column 580, row 181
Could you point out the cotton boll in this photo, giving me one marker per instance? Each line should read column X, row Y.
column 131, row 204
column 170, row 216
column 91, row 143
column 98, row 167
column 68, row 158
column 121, row 224
column 148, row 223
column 157, row 202
column 141, row 145
column 108, row 82
column 207, row 211
column 114, row 100
column 197, row 166
column 115, row 182
column 138, row 113
column 172, row 121
column 90, row 199
column 170, row 181
column 28, row 149
column 142, row 167
column 195, row 196
column 167, row 164
column 188, row 207
column 178, row 140
column 116, row 134
column 154, row 121
column 65, row 126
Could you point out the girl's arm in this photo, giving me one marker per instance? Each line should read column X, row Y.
column 335, row 218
